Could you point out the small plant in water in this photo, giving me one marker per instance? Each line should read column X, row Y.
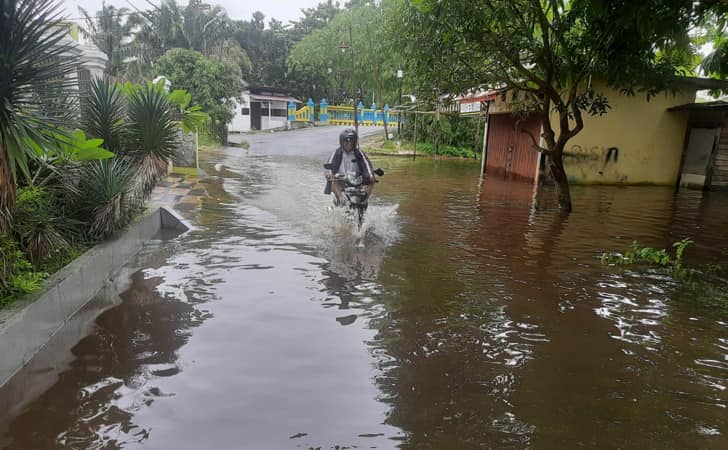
column 637, row 254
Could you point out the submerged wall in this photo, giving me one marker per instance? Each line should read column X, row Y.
column 28, row 324
column 636, row 142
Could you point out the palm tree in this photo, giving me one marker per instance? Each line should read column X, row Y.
column 108, row 30
column 36, row 61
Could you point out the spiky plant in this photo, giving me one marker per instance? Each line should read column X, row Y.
column 105, row 189
column 153, row 136
column 36, row 63
column 103, row 114
column 40, row 224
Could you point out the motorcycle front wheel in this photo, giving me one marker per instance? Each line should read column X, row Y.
column 359, row 217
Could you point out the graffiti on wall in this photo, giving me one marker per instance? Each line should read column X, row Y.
column 598, row 157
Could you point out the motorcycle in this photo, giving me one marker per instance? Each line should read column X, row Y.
column 354, row 196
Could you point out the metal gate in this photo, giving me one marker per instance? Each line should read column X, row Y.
column 511, row 152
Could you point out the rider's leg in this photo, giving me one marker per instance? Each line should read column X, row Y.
column 338, row 191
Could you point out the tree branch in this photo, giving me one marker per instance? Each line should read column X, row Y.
column 533, row 140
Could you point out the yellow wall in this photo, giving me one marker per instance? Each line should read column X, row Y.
column 649, row 139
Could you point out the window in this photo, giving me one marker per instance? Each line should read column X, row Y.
column 245, row 111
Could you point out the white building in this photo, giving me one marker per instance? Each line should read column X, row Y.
column 261, row 109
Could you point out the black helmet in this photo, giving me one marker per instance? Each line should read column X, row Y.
column 347, row 135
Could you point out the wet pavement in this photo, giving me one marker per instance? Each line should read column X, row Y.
column 469, row 319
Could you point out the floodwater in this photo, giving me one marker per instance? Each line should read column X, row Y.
column 469, row 319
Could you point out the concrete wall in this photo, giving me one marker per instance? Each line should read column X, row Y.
column 29, row 323
column 646, row 141
column 273, row 122
column 635, row 142
column 186, row 154
column 240, row 122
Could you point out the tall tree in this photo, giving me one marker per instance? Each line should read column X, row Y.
column 197, row 26
column 715, row 27
column 266, row 48
column 110, row 29
column 314, row 19
column 376, row 56
column 211, row 82
column 550, row 50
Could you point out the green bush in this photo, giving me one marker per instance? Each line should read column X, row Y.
column 208, row 140
column 63, row 257
column 104, row 200
column 454, row 131
column 637, row 254
column 153, row 136
column 40, row 224
column 17, row 277
column 446, row 150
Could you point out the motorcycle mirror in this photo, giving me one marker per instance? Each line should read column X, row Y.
column 328, row 166
column 379, row 172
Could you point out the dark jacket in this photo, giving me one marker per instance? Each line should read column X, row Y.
column 362, row 160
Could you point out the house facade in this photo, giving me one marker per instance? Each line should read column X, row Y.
column 636, row 142
column 260, row 108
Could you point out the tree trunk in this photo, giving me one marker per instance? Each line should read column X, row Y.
column 7, row 189
column 555, row 163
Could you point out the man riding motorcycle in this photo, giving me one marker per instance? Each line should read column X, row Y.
column 348, row 159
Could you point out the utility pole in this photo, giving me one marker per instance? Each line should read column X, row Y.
column 400, row 76
column 353, row 85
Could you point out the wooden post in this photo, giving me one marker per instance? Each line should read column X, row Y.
column 437, row 130
column 414, row 155
column 385, row 112
column 475, row 138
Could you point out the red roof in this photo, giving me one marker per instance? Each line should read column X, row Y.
column 273, row 98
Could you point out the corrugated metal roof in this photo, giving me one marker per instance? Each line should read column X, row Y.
column 272, row 98
column 718, row 105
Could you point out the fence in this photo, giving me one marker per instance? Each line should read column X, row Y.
column 343, row 115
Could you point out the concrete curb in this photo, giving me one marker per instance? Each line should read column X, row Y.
column 29, row 323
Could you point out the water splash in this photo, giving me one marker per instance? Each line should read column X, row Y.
column 303, row 207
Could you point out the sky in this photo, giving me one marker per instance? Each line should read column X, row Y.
column 283, row 10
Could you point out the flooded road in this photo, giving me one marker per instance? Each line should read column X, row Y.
column 470, row 319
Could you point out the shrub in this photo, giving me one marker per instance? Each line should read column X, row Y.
column 153, row 136
column 16, row 272
column 637, row 254
column 105, row 188
column 40, row 224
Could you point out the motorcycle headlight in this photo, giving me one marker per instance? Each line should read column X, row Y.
column 355, row 180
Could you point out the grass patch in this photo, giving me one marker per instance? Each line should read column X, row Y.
column 207, row 141
column 423, row 148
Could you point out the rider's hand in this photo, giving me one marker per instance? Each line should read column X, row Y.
column 329, row 176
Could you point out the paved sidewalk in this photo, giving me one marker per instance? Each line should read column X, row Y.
column 183, row 193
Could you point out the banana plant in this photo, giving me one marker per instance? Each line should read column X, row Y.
column 70, row 148
column 191, row 118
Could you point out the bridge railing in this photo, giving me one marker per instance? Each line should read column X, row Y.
column 343, row 115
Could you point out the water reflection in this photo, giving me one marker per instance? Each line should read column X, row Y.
column 474, row 316
column 581, row 348
column 113, row 376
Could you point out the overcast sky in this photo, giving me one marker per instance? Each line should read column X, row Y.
column 283, row 10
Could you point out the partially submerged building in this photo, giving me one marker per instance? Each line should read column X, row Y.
column 667, row 140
